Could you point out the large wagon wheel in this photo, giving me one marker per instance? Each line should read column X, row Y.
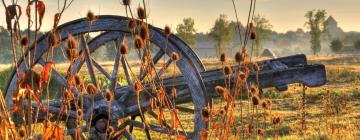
column 112, row 28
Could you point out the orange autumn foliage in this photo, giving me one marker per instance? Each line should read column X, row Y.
column 45, row 72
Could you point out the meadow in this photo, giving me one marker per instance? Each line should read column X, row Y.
column 330, row 111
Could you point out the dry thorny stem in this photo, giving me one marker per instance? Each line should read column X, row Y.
column 223, row 119
column 29, row 83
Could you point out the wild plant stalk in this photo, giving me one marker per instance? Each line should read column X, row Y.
column 303, row 112
column 237, row 22
column 108, row 121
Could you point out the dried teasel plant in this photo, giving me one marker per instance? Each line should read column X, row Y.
column 91, row 89
column 132, row 24
column 228, row 70
column 175, row 56
column 91, row 17
column 124, row 48
column 53, row 39
column 141, row 13
column 144, row 32
column 126, row 2
column 205, row 113
column 255, row 100
column 24, row 41
column 222, row 58
column 72, row 43
column 167, row 31
column 109, row 96
column 139, row 42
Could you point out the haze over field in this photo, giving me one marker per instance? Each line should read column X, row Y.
column 171, row 12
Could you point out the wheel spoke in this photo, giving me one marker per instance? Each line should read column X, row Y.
column 114, row 75
column 51, row 109
column 185, row 109
column 132, row 127
column 89, row 62
column 156, row 116
column 164, row 68
column 101, row 69
column 156, row 59
column 128, row 135
column 126, row 71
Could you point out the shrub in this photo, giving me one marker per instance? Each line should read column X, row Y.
column 336, row 45
column 357, row 44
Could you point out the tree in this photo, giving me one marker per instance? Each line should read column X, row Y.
column 316, row 23
column 262, row 29
column 222, row 33
column 336, row 45
column 357, row 44
column 186, row 31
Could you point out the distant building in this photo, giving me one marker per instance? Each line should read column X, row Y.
column 332, row 28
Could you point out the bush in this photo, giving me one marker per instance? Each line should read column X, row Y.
column 274, row 94
column 4, row 77
column 357, row 44
column 336, row 45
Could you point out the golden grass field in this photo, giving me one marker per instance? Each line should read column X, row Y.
column 332, row 111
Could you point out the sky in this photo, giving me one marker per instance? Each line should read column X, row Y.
column 284, row 15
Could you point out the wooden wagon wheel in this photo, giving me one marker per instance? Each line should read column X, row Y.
column 113, row 28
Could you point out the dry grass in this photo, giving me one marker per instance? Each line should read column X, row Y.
column 343, row 81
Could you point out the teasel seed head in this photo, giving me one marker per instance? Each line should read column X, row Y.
column 222, row 57
column 175, row 56
column 91, row 89
column 205, row 114
column 220, row 90
column 72, row 43
column 79, row 113
column 254, row 90
column 138, row 42
column 260, row 132
column 144, row 32
column 276, row 120
column 256, row 67
column 132, row 24
column 126, row 2
column 141, row 13
column 265, row 105
column 109, row 95
column 137, row 86
column 53, row 39
column 22, row 132
column 167, row 31
column 71, row 54
column 24, row 41
column 123, row 48
column 222, row 112
column 239, row 57
column 91, row 16
column 269, row 103
column 255, row 100
column 78, row 80
column 228, row 70
column 253, row 36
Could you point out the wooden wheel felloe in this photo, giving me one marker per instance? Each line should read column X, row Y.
column 115, row 28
